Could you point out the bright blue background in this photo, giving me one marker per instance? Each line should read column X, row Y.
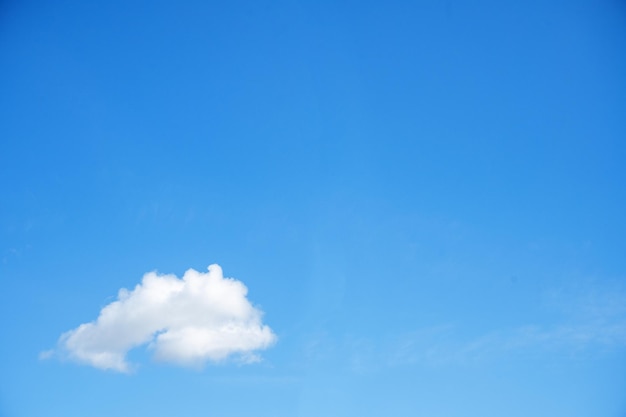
column 403, row 186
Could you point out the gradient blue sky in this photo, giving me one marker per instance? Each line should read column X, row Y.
column 425, row 198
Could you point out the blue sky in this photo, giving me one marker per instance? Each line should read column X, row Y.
column 425, row 201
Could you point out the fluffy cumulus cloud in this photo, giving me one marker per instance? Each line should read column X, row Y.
column 189, row 321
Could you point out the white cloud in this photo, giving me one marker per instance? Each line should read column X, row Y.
column 189, row 321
